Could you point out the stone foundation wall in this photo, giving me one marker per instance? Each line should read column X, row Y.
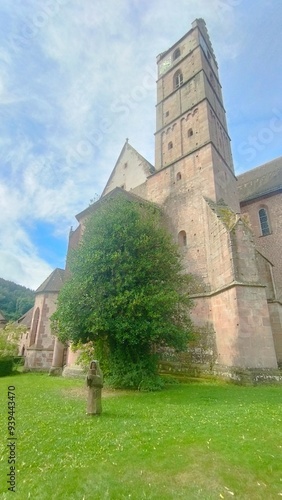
column 38, row 359
column 252, row 376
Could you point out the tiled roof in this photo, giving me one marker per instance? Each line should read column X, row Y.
column 53, row 283
column 26, row 318
column 260, row 181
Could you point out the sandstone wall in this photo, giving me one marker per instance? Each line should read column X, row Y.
column 269, row 245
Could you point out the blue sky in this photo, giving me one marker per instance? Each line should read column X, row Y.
column 77, row 78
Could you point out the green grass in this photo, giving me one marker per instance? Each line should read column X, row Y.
column 204, row 440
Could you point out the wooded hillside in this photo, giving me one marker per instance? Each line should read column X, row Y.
column 15, row 299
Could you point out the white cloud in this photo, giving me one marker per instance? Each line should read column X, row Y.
column 75, row 80
column 26, row 269
column 19, row 259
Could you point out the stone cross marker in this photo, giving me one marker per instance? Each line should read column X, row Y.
column 94, row 381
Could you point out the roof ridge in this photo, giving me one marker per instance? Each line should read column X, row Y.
column 53, row 282
column 125, row 146
column 279, row 158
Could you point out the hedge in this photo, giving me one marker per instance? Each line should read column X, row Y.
column 6, row 366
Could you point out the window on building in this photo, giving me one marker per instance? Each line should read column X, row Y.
column 167, row 113
column 170, row 145
column 264, row 222
column 178, row 79
column 178, row 176
column 125, row 165
column 182, row 239
column 34, row 327
column 190, row 132
column 176, row 54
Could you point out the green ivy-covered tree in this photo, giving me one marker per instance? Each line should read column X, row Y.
column 127, row 291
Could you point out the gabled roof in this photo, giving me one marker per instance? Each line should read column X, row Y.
column 143, row 165
column 260, row 181
column 117, row 191
column 26, row 318
column 146, row 165
column 53, row 283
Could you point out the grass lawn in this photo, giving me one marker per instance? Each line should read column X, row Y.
column 203, row 440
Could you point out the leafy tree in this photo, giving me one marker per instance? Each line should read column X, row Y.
column 9, row 339
column 127, row 291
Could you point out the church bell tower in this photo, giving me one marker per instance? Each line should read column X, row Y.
column 191, row 117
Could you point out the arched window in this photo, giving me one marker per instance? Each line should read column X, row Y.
column 34, row 327
column 170, row 145
column 190, row 132
column 176, row 54
column 178, row 79
column 178, row 176
column 182, row 239
column 264, row 222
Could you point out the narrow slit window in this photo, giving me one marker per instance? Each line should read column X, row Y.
column 190, row 132
column 178, row 176
column 170, row 145
column 178, row 79
column 182, row 239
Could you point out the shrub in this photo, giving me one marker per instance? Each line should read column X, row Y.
column 6, row 366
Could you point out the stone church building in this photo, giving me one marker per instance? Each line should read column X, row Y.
column 228, row 228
